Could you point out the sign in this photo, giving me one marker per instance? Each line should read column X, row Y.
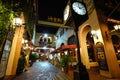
column 101, row 56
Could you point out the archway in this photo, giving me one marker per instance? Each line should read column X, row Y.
column 84, row 33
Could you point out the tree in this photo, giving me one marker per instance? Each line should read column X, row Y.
column 12, row 8
column 6, row 17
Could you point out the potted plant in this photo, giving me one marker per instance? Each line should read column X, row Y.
column 33, row 57
column 21, row 63
column 65, row 60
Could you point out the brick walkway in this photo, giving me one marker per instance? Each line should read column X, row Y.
column 46, row 71
column 42, row 71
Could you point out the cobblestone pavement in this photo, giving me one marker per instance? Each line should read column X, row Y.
column 42, row 71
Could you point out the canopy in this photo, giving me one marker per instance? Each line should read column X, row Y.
column 64, row 47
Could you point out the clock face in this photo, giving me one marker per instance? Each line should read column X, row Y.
column 66, row 12
column 79, row 8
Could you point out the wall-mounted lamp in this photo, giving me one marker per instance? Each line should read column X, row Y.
column 117, row 27
column 17, row 21
column 25, row 44
column 94, row 34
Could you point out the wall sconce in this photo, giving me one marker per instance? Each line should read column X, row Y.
column 25, row 44
column 66, row 53
column 94, row 34
column 17, row 21
column 117, row 27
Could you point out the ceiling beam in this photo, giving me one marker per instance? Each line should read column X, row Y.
column 113, row 20
column 53, row 24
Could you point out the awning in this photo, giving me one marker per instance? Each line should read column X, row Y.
column 64, row 47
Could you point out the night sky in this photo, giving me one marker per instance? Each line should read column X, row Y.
column 52, row 8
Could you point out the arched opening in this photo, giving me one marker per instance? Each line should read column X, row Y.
column 87, row 44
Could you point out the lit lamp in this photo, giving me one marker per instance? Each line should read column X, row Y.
column 94, row 34
column 117, row 27
column 25, row 44
column 17, row 21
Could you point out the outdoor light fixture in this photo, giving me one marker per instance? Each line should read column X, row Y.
column 17, row 21
column 117, row 27
column 25, row 44
column 66, row 52
column 94, row 34
column 45, row 35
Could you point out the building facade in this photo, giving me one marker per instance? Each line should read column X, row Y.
column 102, row 44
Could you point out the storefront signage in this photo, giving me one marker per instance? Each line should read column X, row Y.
column 101, row 56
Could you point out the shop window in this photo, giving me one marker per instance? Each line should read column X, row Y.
column 72, row 40
column 91, row 53
column 90, row 48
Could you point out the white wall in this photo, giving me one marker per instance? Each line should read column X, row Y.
column 63, row 39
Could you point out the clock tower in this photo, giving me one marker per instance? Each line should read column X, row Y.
column 75, row 13
column 67, row 14
column 79, row 15
column 79, row 12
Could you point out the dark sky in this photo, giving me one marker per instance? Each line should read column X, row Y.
column 52, row 8
column 46, row 29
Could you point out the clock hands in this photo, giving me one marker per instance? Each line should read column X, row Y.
column 79, row 6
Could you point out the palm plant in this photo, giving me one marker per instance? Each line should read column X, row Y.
column 65, row 60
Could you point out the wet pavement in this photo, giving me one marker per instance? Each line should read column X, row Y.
column 46, row 71
column 42, row 71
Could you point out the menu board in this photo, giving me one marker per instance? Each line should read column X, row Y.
column 101, row 56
